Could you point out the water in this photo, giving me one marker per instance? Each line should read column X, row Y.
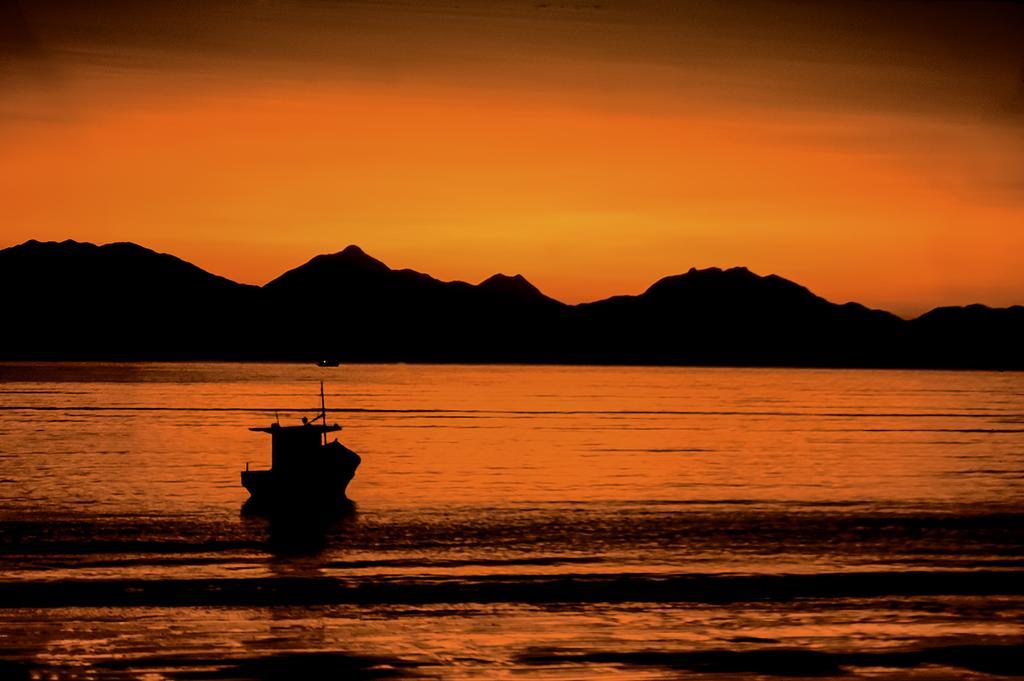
column 550, row 522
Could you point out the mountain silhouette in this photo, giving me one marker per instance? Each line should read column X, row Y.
column 976, row 335
column 515, row 290
column 734, row 316
column 118, row 300
column 105, row 269
column 383, row 314
column 72, row 300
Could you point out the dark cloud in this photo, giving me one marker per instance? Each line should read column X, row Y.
column 915, row 56
column 18, row 43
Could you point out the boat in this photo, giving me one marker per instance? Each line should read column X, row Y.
column 328, row 363
column 306, row 471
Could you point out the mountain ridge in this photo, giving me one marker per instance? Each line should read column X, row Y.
column 74, row 298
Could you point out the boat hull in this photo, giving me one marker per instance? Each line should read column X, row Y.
column 268, row 490
column 318, row 483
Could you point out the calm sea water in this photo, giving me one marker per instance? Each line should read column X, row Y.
column 551, row 522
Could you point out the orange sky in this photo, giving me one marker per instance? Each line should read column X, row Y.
column 592, row 149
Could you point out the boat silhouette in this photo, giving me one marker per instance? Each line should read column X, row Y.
column 306, row 471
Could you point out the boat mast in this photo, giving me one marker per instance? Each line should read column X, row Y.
column 323, row 411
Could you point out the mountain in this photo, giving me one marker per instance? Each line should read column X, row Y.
column 366, row 309
column 734, row 316
column 368, row 281
column 117, row 300
column 514, row 290
column 975, row 335
column 123, row 301
column 85, row 269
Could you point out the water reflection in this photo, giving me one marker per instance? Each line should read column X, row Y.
column 301, row 532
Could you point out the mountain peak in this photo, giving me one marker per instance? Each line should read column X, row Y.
column 734, row 284
column 77, row 267
column 323, row 269
column 70, row 247
column 34, row 246
column 499, row 279
column 353, row 257
column 515, row 285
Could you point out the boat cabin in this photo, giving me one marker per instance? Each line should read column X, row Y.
column 294, row 446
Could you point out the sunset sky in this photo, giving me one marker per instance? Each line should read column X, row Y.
column 872, row 151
